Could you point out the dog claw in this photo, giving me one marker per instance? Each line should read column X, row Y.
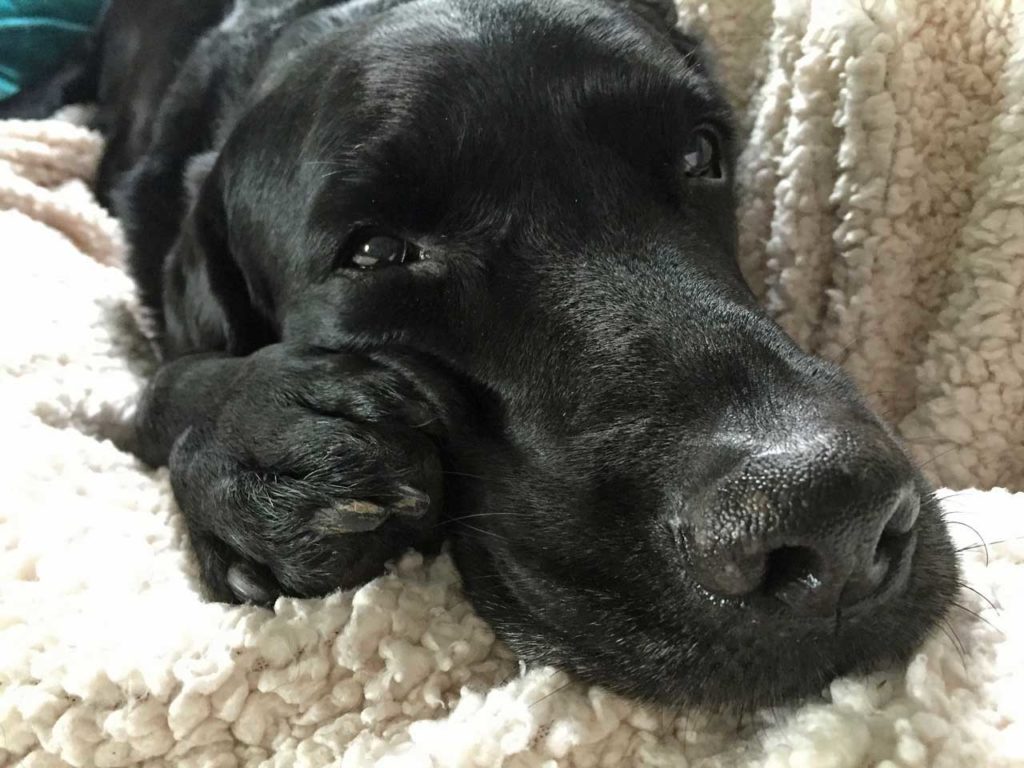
column 251, row 586
column 357, row 516
column 361, row 508
column 413, row 502
column 351, row 516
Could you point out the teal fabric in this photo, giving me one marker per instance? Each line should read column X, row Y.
column 36, row 35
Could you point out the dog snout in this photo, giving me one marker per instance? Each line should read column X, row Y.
column 822, row 526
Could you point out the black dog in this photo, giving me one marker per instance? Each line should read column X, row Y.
column 467, row 267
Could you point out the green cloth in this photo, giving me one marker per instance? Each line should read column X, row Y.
column 36, row 35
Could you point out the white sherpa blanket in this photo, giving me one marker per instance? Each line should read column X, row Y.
column 883, row 211
column 884, row 226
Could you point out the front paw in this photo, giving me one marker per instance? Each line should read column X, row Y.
column 318, row 469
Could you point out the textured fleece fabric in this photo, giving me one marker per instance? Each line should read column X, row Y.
column 882, row 223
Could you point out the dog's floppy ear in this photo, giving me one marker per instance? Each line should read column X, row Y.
column 207, row 304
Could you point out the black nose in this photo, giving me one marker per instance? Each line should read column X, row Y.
column 820, row 526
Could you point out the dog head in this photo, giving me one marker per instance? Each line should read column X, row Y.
column 658, row 489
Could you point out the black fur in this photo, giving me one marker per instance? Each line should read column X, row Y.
column 644, row 480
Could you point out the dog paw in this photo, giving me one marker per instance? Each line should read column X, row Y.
column 318, row 469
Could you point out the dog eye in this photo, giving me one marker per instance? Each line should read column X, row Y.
column 702, row 158
column 368, row 249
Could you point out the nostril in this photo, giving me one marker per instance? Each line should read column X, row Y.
column 872, row 574
column 790, row 567
column 825, row 539
column 904, row 513
column 889, row 552
column 804, row 579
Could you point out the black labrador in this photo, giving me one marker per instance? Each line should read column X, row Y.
column 467, row 268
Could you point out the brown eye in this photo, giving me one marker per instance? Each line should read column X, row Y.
column 368, row 249
column 702, row 157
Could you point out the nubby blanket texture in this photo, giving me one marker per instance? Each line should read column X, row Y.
column 883, row 224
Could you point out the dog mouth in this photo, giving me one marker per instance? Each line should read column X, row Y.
column 690, row 649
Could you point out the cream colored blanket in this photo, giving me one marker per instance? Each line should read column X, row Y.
column 883, row 219
column 883, row 223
